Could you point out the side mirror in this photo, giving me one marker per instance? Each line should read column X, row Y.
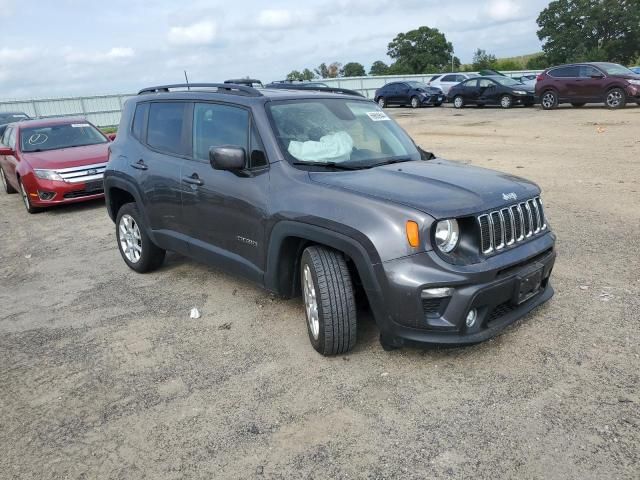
column 111, row 137
column 227, row 158
column 597, row 75
column 6, row 151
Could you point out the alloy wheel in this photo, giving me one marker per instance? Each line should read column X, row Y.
column 548, row 100
column 414, row 102
column 25, row 197
column 382, row 102
column 311, row 303
column 3, row 179
column 614, row 98
column 458, row 102
column 505, row 102
column 130, row 238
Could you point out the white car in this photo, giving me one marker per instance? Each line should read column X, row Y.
column 448, row 80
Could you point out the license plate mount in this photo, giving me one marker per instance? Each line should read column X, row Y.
column 529, row 284
column 94, row 186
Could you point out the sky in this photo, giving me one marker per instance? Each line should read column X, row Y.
column 80, row 47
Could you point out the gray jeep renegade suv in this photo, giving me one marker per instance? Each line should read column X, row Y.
column 321, row 195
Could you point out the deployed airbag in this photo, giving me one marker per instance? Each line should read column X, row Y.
column 335, row 147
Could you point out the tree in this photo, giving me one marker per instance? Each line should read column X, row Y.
column 334, row 70
column 353, row 69
column 483, row 60
column 423, row 50
column 306, row 74
column 379, row 68
column 539, row 62
column 507, row 64
column 581, row 30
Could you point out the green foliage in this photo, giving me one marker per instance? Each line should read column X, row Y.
column 539, row 62
column 306, row 74
column 423, row 50
column 333, row 70
column 353, row 69
column 507, row 64
column 590, row 30
column 483, row 60
column 379, row 68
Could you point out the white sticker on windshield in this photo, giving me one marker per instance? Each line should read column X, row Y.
column 38, row 139
column 79, row 125
column 378, row 116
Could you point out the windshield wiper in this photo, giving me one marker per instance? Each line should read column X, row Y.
column 390, row 161
column 336, row 165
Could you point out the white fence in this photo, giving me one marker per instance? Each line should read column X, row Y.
column 104, row 110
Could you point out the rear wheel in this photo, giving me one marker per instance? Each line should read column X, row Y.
column 136, row 248
column 26, row 200
column 506, row 101
column 578, row 105
column 6, row 186
column 458, row 101
column 549, row 100
column 329, row 300
column 415, row 102
column 616, row 98
column 382, row 102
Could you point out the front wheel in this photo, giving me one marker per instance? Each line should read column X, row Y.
column 6, row 186
column 136, row 248
column 329, row 300
column 26, row 200
column 415, row 102
column 505, row 101
column 382, row 102
column 458, row 102
column 549, row 100
column 616, row 98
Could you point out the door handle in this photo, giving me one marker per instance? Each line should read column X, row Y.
column 193, row 180
column 140, row 165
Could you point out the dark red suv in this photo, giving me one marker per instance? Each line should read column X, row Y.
column 583, row 83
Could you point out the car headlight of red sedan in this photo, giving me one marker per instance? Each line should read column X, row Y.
column 48, row 175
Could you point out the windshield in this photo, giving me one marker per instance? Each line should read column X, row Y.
column 615, row 69
column 54, row 137
column 417, row 85
column 506, row 81
column 337, row 132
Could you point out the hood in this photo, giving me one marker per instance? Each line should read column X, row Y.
column 68, row 157
column 440, row 188
column 628, row 77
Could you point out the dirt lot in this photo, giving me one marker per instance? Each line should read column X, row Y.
column 104, row 375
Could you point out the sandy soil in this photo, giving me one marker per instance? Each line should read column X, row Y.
column 104, row 375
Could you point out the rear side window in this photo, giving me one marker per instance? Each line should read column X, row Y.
column 5, row 137
column 564, row 72
column 470, row 84
column 215, row 125
column 449, row 78
column 139, row 117
column 165, row 127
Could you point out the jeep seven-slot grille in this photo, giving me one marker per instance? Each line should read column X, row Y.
column 511, row 225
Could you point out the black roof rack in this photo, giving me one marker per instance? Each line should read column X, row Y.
column 221, row 87
column 302, row 86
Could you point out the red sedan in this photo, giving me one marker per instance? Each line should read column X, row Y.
column 52, row 162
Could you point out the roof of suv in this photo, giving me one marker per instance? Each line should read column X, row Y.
column 240, row 94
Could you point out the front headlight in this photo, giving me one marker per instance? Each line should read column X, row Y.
column 634, row 82
column 519, row 92
column 48, row 175
column 447, row 235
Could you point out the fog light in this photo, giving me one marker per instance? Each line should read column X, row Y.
column 46, row 195
column 472, row 317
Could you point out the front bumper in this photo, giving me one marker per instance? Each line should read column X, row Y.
column 524, row 99
column 435, row 99
column 489, row 288
column 47, row 193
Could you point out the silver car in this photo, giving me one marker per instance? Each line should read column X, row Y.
column 446, row 81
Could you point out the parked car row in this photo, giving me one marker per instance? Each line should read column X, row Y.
column 577, row 84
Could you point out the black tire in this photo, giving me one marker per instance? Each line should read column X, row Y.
column 26, row 200
column 549, row 100
column 506, row 101
column 578, row 104
column 415, row 102
column 382, row 102
column 616, row 98
column 334, row 300
column 439, row 104
column 6, row 186
column 150, row 255
column 458, row 101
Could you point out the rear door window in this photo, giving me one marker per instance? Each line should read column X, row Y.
column 564, row 72
column 139, row 118
column 449, row 78
column 215, row 125
column 166, row 127
column 470, row 84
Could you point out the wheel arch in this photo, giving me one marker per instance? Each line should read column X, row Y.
column 288, row 241
column 117, row 193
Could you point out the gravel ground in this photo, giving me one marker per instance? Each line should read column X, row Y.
column 104, row 375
